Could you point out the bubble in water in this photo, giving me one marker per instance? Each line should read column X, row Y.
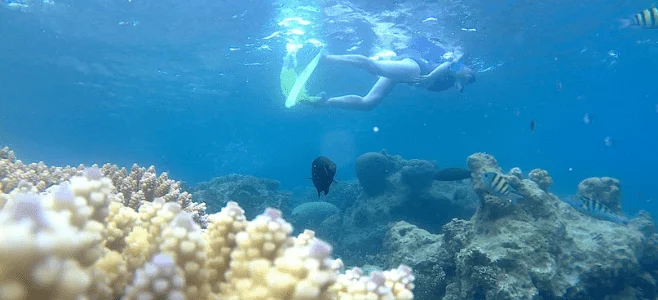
column 375, row 129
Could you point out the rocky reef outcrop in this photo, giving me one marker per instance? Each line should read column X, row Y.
column 254, row 194
column 539, row 248
column 604, row 189
column 396, row 189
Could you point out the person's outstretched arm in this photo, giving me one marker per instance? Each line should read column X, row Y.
column 439, row 71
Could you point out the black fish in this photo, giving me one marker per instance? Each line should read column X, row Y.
column 323, row 171
column 452, row 174
column 532, row 126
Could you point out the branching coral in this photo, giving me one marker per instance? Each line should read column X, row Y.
column 79, row 241
column 132, row 189
column 14, row 172
column 144, row 185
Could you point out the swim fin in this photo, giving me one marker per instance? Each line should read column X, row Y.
column 298, row 88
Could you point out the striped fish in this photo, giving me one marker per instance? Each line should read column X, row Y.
column 498, row 186
column 595, row 209
column 646, row 19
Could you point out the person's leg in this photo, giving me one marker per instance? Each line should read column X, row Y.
column 399, row 70
column 382, row 87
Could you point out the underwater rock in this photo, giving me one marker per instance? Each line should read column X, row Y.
column 343, row 194
column 417, row 174
column 607, row 190
column 581, row 258
column 366, row 221
column 372, row 170
column 424, row 252
column 516, row 172
column 539, row 247
column 254, row 194
column 322, row 217
column 542, row 179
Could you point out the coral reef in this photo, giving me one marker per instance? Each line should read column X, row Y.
column 417, row 174
column 541, row 178
column 538, row 248
column 373, row 169
column 516, row 172
column 411, row 245
column 254, row 194
column 343, row 194
column 14, row 172
column 63, row 244
column 405, row 191
column 604, row 189
column 134, row 188
column 322, row 217
column 144, row 185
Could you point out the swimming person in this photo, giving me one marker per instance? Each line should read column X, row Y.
column 421, row 64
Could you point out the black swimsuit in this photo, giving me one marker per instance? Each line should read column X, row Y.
column 441, row 84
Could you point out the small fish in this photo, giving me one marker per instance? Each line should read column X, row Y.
column 498, row 186
column 645, row 19
column 595, row 209
column 452, row 174
column 532, row 126
column 323, row 171
column 558, row 86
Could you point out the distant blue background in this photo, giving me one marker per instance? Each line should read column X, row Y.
column 77, row 87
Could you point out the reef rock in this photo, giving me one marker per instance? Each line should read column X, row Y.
column 373, row 169
column 520, row 252
column 254, row 194
column 343, row 193
column 417, row 174
column 424, row 252
column 541, row 178
column 322, row 217
column 410, row 195
column 604, row 189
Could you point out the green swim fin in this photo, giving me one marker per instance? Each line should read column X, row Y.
column 298, row 90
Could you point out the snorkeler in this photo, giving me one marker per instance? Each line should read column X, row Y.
column 420, row 64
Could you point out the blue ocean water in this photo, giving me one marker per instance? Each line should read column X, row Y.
column 192, row 87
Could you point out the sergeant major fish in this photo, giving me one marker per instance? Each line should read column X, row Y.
column 645, row 19
column 595, row 209
column 498, row 186
column 323, row 171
